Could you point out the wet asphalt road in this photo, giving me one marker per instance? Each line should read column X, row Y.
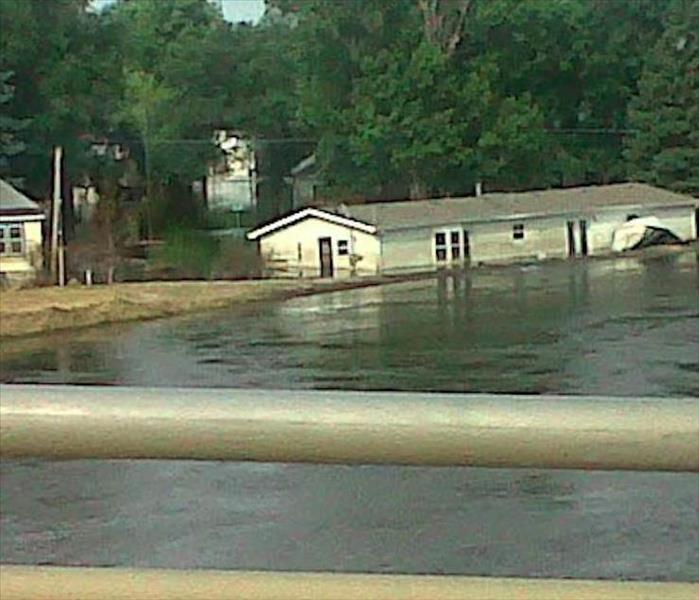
column 617, row 327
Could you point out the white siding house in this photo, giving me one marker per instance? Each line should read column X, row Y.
column 412, row 236
column 20, row 236
column 231, row 184
column 316, row 243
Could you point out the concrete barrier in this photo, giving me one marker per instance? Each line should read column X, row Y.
column 558, row 432
column 62, row 583
column 339, row 427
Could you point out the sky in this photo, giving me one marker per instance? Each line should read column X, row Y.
column 233, row 10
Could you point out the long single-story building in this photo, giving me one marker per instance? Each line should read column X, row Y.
column 413, row 236
column 21, row 253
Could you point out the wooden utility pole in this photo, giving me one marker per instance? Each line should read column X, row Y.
column 149, row 187
column 56, row 210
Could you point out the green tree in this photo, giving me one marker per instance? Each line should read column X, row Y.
column 665, row 113
column 404, row 92
column 62, row 69
column 579, row 60
column 175, row 60
column 10, row 144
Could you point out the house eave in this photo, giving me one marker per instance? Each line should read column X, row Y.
column 306, row 213
column 17, row 216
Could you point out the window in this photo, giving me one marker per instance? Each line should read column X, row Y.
column 440, row 246
column 455, row 245
column 451, row 246
column 342, row 248
column 11, row 242
column 518, row 231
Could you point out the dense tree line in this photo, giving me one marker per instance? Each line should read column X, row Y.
column 401, row 97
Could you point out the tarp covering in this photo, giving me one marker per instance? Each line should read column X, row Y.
column 642, row 233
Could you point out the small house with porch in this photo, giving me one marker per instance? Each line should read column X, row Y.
column 21, row 253
column 413, row 236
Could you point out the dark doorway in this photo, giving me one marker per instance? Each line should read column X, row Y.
column 696, row 223
column 570, row 226
column 583, row 237
column 325, row 246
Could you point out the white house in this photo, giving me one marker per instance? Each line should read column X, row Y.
column 318, row 243
column 231, row 184
column 413, row 236
column 20, row 236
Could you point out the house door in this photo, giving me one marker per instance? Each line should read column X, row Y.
column 570, row 226
column 467, row 247
column 326, row 256
column 583, row 237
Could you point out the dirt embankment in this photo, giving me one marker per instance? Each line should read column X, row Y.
column 40, row 310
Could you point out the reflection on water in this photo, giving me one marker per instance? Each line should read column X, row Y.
column 621, row 327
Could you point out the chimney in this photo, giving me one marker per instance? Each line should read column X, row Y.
column 479, row 188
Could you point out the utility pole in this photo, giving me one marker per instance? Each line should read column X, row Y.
column 149, row 187
column 56, row 212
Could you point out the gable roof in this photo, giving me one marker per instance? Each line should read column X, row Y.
column 13, row 202
column 306, row 213
column 511, row 206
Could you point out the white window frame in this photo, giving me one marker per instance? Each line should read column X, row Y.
column 449, row 259
column 436, row 246
column 518, row 228
column 8, row 240
column 458, row 245
column 346, row 244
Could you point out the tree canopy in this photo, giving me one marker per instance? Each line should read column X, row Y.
column 400, row 97
column 665, row 113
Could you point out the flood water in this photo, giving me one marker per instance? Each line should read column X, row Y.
column 626, row 327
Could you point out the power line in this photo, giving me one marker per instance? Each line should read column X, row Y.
column 212, row 143
column 300, row 140
column 594, row 131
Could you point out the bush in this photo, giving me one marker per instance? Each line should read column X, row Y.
column 187, row 253
column 193, row 254
column 237, row 259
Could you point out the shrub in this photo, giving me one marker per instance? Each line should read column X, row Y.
column 187, row 253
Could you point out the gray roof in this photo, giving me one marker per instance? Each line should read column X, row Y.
column 307, row 164
column 14, row 202
column 508, row 206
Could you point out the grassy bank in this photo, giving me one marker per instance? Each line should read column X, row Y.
column 42, row 310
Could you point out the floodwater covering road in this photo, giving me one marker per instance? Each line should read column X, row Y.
column 624, row 327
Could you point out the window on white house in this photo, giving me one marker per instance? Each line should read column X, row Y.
column 440, row 246
column 455, row 240
column 342, row 247
column 518, row 231
column 11, row 240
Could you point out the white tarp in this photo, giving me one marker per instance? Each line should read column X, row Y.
column 631, row 234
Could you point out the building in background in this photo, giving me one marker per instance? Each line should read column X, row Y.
column 21, row 238
column 131, row 184
column 306, row 182
column 425, row 235
column 231, row 182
